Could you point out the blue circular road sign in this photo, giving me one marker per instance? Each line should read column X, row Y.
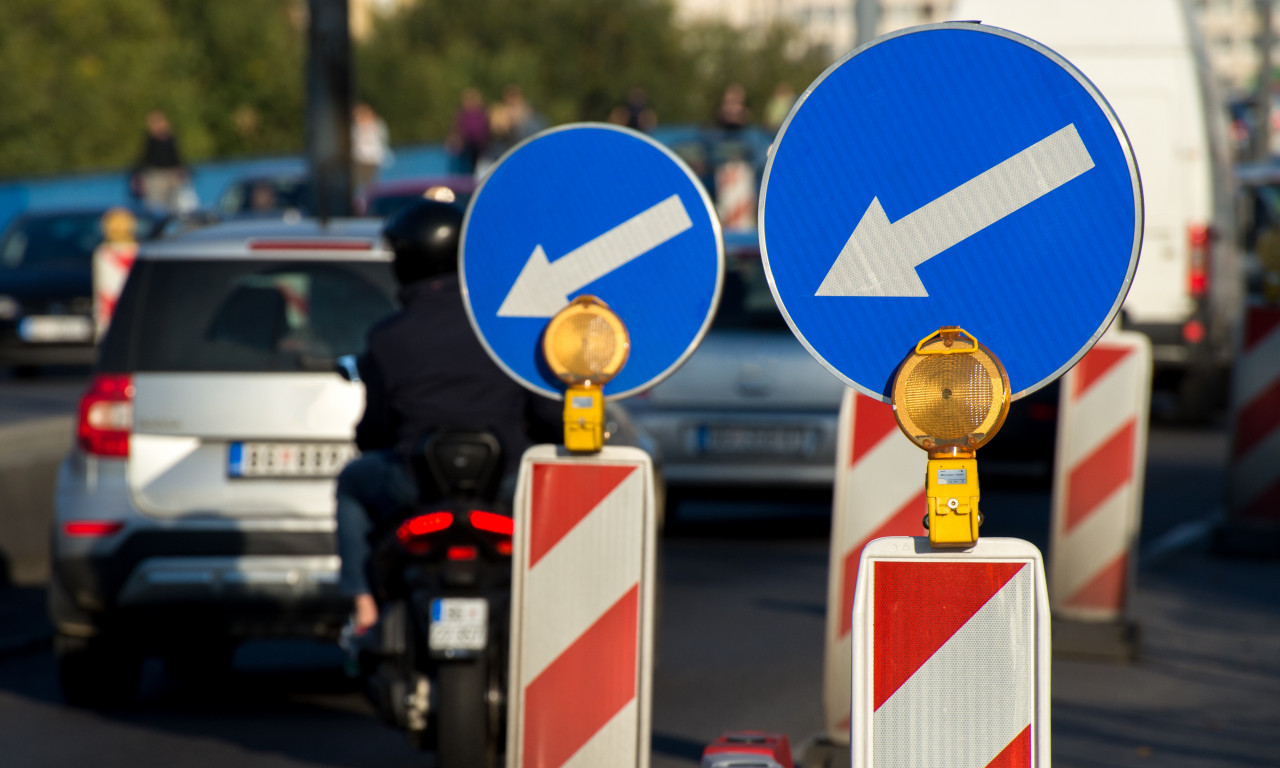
column 591, row 209
column 950, row 174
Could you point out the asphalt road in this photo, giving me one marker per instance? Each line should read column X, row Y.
column 740, row 645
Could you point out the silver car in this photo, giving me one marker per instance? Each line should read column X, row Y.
column 750, row 407
column 197, row 508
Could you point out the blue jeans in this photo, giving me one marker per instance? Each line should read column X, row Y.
column 372, row 488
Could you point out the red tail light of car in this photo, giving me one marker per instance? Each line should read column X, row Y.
column 106, row 415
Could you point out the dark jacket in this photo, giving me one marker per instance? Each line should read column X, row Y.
column 424, row 368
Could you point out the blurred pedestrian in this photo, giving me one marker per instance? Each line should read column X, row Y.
column 160, row 175
column 635, row 112
column 470, row 137
column 779, row 106
column 733, row 114
column 511, row 121
column 370, row 150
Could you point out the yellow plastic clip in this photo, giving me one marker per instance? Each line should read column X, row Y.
column 584, row 419
column 951, row 489
column 948, row 334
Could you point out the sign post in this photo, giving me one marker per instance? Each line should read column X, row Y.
column 951, row 215
column 578, row 228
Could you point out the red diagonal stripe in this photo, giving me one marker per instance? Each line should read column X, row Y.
column 1094, row 365
column 1257, row 420
column 872, row 421
column 904, row 522
column 1265, row 506
column 1106, row 590
column 919, row 606
column 579, row 692
column 1100, row 475
column 563, row 494
column 1259, row 323
column 1017, row 754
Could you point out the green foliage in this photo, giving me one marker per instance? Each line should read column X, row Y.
column 77, row 77
column 574, row 59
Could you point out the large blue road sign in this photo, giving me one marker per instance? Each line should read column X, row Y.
column 951, row 174
column 591, row 209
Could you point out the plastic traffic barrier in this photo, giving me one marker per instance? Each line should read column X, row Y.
column 879, row 491
column 582, row 610
column 951, row 655
column 1253, row 514
column 1099, row 468
column 748, row 749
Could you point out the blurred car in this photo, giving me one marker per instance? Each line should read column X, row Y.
column 384, row 198
column 267, row 194
column 46, row 285
column 751, row 407
column 197, row 507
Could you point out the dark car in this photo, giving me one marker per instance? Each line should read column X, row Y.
column 46, row 285
column 384, row 198
column 267, row 195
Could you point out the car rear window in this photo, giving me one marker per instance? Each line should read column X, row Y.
column 246, row 316
column 745, row 300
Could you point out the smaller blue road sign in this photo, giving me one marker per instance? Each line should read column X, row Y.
column 591, row 209
column 951, row 174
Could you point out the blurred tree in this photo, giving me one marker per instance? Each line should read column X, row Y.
column 77, row 77
column 574, row 60
column 246, row 61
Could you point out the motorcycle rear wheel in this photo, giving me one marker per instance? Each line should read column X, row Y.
column 462, row 716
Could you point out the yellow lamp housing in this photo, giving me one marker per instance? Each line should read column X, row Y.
column 950, row 396
column 585, row 345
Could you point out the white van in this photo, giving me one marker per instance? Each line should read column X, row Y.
column 1147, row 58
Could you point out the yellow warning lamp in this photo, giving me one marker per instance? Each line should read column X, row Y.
column 585, row 345
column 119, row 225
column 950, row 396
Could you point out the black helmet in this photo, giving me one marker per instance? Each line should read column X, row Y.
column 424, row 236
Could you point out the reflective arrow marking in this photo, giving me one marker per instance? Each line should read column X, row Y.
column 543, row 287
column 880, row 258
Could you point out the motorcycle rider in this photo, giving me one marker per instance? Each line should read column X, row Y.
column 423, row 369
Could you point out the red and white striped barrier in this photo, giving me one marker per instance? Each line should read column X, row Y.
column 952, row 664
column 582, row 610
column 1253, row 499
column 1098, row 477
column 879, row 491
column 736, row 202
column 111, row 265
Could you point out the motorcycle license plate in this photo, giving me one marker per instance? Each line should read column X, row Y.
column 458, row 624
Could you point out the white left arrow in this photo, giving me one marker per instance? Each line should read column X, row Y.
column 543, row 287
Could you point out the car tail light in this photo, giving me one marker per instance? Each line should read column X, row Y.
column 92, row 529
column 1200, row 241
column 492, row 522
column 413, row 532
column 462, row 553
column 106, row 415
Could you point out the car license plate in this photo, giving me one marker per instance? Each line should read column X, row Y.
column 755, row 441
column 288, row 459
column 459, row 624
column 55, row 329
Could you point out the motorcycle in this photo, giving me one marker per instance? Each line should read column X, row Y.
column 435, row 664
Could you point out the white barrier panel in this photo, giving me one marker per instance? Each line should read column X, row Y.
column 879, row 491
column 1098, row 478
column 111, row 265
column 1255, row 466
column 582, row 610
column 951, row 664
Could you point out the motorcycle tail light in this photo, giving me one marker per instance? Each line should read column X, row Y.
column 414, row 532
column 462, row 553
column 492, row 522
